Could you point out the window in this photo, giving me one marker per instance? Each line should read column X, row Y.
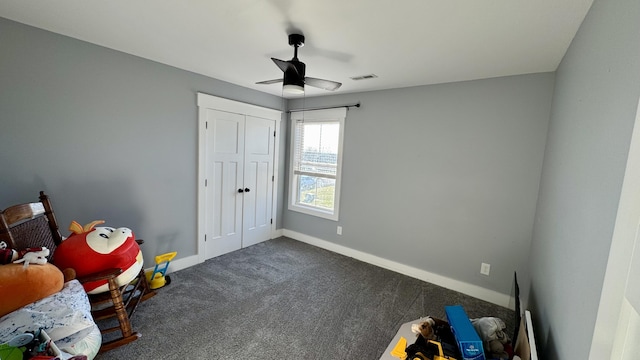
column 316, row 160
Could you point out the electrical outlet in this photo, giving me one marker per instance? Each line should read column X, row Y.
column 339, row 230
column 485, row 269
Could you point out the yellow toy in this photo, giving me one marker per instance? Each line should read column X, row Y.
column 400, row 352
column 157, row 278
column 441, row 355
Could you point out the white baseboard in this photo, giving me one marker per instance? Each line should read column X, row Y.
column 189, row 261
column 452, row 284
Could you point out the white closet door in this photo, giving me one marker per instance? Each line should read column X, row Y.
column 258, row 181
column 236, row 174
column 225, row 203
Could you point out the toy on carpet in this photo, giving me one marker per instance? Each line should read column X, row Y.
column 158, row 278
column 425, row 328
column 431, row 350
column 399, row 350
column 92, row 249
column 430, row 328
column 492, row 332
column 434, row 340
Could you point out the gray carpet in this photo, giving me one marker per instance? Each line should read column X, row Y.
column 283, row 299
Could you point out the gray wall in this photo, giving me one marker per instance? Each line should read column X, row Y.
column 438, row 177
column 441, row 177
column 108, row 135
column 593, row 111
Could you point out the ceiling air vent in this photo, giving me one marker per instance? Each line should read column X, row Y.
column 364, row 77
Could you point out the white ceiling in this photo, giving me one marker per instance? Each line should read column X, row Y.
column 405, row 42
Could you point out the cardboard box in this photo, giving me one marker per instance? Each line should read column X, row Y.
column 466, row 336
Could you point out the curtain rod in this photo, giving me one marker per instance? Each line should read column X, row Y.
column 324, row 108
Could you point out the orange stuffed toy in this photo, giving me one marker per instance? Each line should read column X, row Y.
column 91, row 249
column 23, row 284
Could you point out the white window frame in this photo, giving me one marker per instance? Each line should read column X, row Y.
column 330, row 115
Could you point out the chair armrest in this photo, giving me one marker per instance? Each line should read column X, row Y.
column 101, row 275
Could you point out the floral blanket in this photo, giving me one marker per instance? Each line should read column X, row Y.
column 65, row 316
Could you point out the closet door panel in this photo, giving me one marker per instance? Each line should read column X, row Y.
column 259, row 151
column 227, row 136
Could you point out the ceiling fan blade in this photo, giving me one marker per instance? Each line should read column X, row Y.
column 322, row 84
column 267, row 82
column 283, row 65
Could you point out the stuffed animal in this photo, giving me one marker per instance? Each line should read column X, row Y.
column 20, row 286
column 492, row 332
column 91, row 249
column 7, row 256
column 33, row 256
column 425, row 328
column 37, row 255
column 26, row 284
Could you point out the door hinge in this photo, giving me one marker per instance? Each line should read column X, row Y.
column 274, row 134
column 206, row 124
column 272, row 221
column 205, row 182
column 205, row 237
column 273, row 178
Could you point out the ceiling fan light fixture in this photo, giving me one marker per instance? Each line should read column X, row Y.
column 293, row 82
column 294, row 70
column 293, row 89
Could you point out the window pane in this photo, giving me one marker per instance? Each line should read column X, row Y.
column 316, row 191
column 319, row 150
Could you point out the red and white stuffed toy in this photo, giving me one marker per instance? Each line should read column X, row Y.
column 37, row 255
column 91, row 249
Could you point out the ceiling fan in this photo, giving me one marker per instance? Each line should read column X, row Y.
column 294, row 72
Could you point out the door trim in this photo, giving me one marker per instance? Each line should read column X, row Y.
column 204, row 102
column 619, row 263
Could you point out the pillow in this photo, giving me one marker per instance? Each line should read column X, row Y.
column 20, row 286
column 87, row 346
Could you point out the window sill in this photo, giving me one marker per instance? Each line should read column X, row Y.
column 314, row 212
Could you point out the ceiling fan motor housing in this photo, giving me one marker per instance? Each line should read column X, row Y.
column 296, row 40
column 294, row 75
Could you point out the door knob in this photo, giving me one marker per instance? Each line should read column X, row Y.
column 247, row 189
column 240, row 190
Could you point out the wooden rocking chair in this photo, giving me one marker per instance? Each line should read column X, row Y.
column 34, row 225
